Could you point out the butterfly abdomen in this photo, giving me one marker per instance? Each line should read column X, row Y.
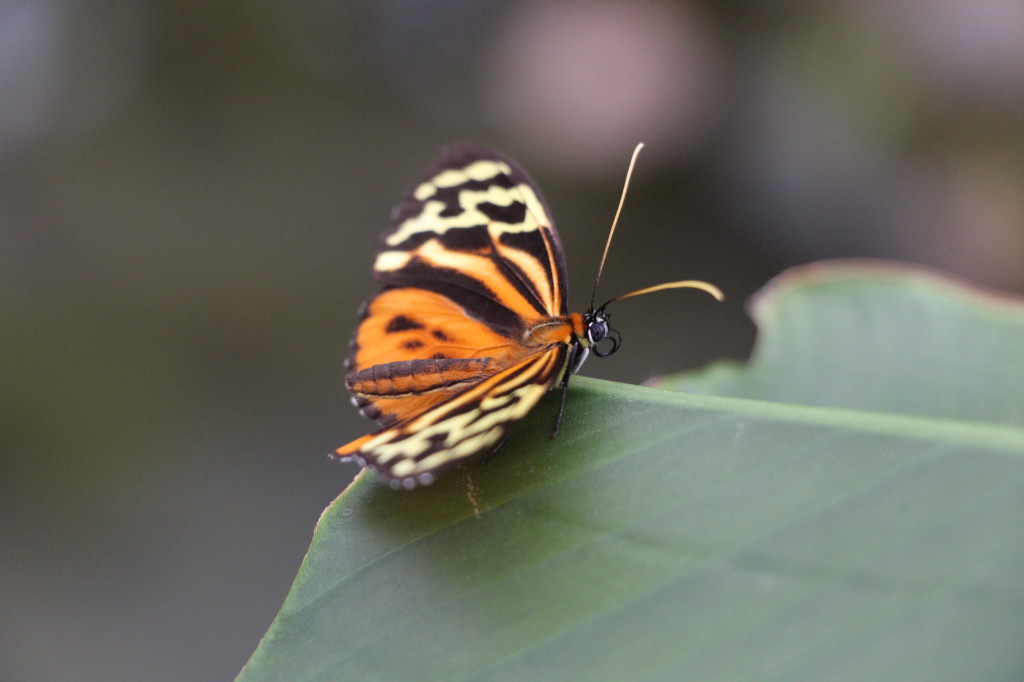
column 415, row 377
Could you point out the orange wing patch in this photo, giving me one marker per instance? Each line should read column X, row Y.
column 409, row 324
column 415, row 348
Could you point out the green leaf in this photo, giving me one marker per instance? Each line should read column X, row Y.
column 666, row 535
column 873, row 336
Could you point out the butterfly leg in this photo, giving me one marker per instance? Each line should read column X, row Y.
column 561, row 406
column 486, row 459
column 576, row 356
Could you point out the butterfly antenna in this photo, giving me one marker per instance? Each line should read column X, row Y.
column 615, row 221
column 682, row 284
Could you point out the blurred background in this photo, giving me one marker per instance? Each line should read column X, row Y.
column 191, row 194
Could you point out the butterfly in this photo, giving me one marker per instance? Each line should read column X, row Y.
column 471, row 328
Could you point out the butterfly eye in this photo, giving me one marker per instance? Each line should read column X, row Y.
column 612, row 336
column 597, row 330
column 597, row 326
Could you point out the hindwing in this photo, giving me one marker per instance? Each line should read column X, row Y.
column 414, row 451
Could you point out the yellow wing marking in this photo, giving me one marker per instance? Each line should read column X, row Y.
column 481, row 170
column 431, row 220
column 462, row 426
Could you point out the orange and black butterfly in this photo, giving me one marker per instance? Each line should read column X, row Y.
column 471, row 328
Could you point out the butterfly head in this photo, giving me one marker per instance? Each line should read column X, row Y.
column 598, row 328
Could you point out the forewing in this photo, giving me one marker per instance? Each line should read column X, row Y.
column 470, row 423
column 404, row 325
column 477, row 231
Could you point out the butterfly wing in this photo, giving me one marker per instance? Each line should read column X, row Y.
column 476, row 230
column 415, row 348
column 471, row 262
column 414, row 451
